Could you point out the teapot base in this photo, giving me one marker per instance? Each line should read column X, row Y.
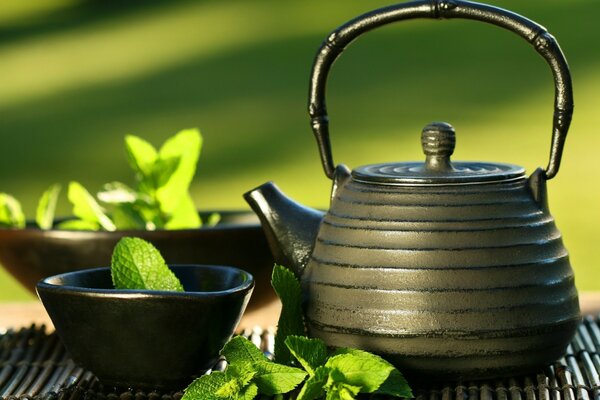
column 442, row 356
column 444, row 369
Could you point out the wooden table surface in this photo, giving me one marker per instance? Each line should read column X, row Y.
column 14, row 315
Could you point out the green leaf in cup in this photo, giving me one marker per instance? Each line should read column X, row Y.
column 137, row 264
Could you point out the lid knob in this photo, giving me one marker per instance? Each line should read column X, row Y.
column 438, row 140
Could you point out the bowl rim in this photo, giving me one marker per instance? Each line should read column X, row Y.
column 45, row 285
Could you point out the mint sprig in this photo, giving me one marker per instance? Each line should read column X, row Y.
column 137, row 264
column 291, row 322
column 248, row 374
column 163, row 177
column 345, row 373
column 341, row 375
column 160, row 198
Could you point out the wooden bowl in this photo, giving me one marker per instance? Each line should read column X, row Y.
column 32, row 254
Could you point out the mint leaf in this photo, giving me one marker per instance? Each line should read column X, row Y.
column 272, row 378
column 141, row 154
column 11, row 214
column 314, row 387
column 117, row 193
column 78, row 225
column 163, row 170
column 239, row 349
column 206, row 387
column 396, row 385
column 248, row 393
column 342, row 391
column 359, row 368
column 239, row 385
column 136, row 264
column 86, row 208
column 229, row 389
column 310, row 353
column 185, row 215
column 125, row 216
column 47, row 206
column 128, row 206
column 243, row 371
column 233, row 383
column 291, row 320
column 150, row 214
column 186, row 146
column 249, row 372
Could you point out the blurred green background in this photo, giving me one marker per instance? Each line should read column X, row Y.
column 76, row 76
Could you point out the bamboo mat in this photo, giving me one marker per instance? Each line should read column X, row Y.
column 35, row 365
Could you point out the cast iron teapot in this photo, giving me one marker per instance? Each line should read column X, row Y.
column 452, row 269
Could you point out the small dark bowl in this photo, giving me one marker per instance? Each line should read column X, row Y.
column 145, row 338
column 32, row 254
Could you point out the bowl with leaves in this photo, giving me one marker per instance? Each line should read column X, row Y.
column 133, row 326
column 157, row 207
column 141, row 323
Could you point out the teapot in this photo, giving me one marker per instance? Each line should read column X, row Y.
column 447, row 269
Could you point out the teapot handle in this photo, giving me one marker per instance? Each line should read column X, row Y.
column 544, row 43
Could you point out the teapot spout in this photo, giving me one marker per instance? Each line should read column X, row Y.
column 290, row 228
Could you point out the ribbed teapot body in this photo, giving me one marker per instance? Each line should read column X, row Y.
column 447, row 280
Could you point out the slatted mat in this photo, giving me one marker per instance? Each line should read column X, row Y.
column 35, row 365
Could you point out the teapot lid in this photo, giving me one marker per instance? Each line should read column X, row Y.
column 438, row 140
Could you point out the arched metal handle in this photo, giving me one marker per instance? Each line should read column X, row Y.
column 544, row 43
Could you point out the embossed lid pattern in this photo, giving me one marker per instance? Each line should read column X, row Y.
column 438, row 140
